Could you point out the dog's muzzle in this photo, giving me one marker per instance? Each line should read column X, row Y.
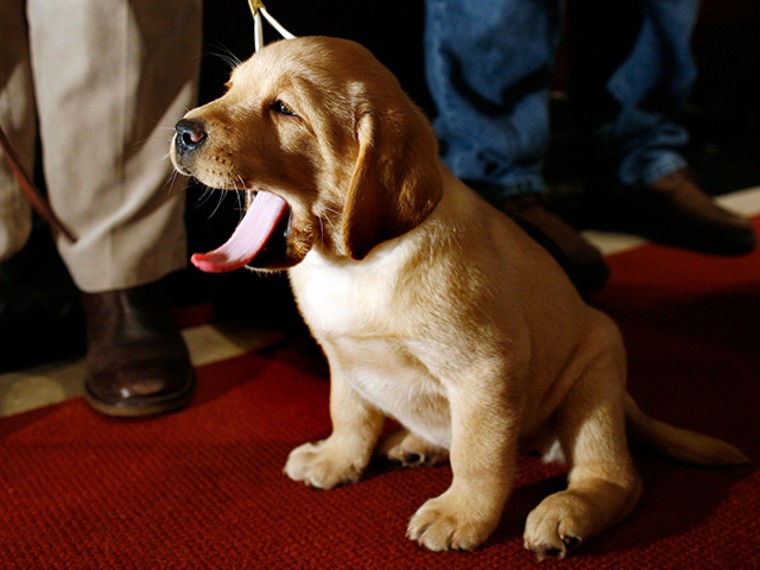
column 190, row 135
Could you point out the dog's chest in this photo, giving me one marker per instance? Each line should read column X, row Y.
column 347, row 299
column 355, row 315
column 393, row 379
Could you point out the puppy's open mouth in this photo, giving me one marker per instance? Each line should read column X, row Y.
column 258, row 238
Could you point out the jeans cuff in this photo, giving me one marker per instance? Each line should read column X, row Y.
column 645, row 172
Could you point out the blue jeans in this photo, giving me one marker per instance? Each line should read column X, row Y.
column 488, row 66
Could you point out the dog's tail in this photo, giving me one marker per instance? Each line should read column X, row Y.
column 681, row 444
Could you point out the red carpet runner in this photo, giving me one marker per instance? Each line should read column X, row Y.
column 204, row 488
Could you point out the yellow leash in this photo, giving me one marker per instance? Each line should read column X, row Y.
column 258, row 10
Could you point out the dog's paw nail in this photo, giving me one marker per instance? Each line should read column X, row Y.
column 571, row 541
column 552, row 552
column 413, row 458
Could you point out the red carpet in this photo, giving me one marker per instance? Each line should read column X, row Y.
column 204, row 488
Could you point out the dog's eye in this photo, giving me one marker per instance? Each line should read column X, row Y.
column 281, row 108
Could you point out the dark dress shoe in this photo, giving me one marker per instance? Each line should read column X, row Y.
column 674, row 211
column 137, row 361
column 583, row 263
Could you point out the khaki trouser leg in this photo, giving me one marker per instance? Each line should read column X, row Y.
column 112, row 78
column 18, row 122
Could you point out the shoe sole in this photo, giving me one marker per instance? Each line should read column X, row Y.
column 143, row 407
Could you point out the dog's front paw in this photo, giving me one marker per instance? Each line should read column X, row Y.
column 446, row 523
column 556, row 526
column 404, row 448
column 323, row 465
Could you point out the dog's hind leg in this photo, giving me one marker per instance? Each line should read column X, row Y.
column 409, row 450
column 602, row 482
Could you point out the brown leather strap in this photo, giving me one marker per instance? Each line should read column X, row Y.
column 34, row 196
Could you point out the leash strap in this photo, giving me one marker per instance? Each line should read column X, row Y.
column 35, row 197
column 258, row 10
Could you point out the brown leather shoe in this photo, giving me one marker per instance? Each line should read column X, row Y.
column 137, row 361
column 674, row 211
column 582, row 262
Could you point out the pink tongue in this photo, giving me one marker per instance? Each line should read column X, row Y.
column 248, row 239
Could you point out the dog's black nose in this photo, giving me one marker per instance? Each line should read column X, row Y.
column 190, row 135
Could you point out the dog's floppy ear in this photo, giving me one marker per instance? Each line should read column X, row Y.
column 396, row 182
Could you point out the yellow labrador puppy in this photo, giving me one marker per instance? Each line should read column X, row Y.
column 432, row 307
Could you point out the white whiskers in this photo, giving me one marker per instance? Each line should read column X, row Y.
column 225, row 54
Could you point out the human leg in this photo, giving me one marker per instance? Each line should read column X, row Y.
column 632, row 100
column 17, row 119
column 488, row 65
column 104, row 111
